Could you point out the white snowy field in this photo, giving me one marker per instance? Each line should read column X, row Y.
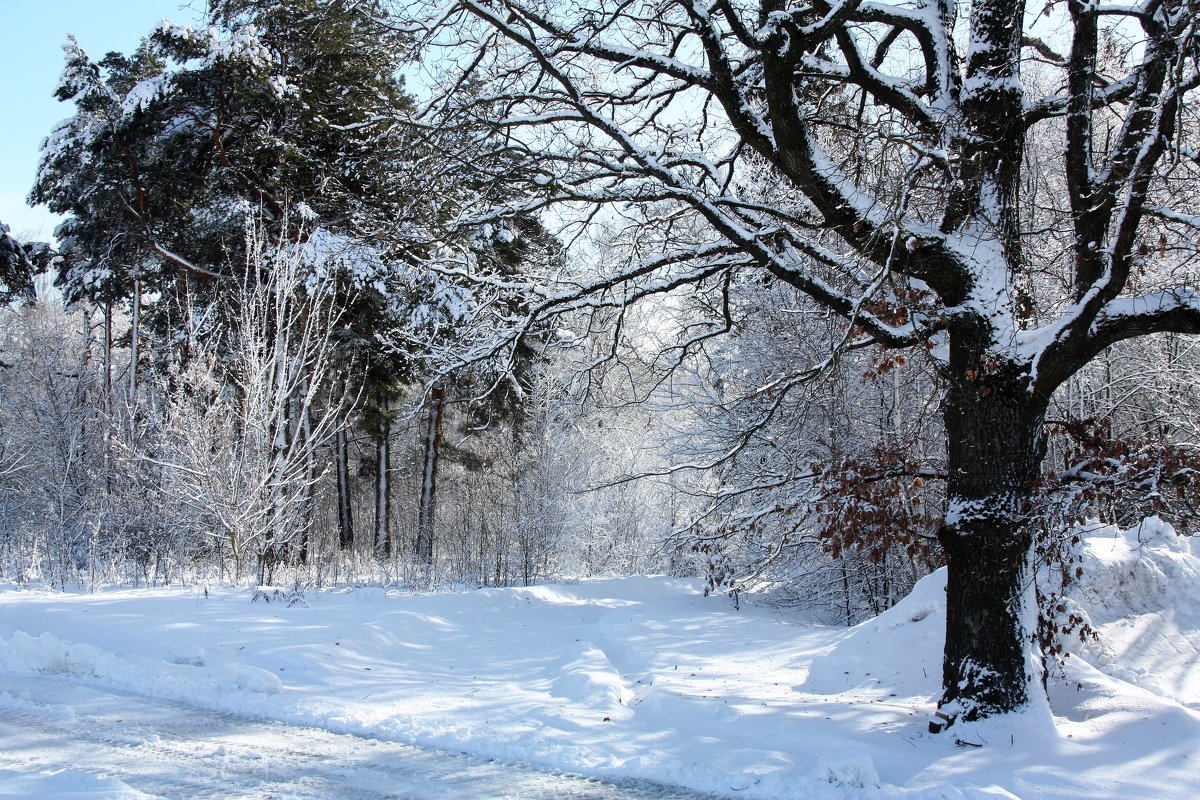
column 634, row 678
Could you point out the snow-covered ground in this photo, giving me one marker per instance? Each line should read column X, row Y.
column 639, row 678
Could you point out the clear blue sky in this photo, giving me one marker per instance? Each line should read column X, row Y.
column 32, row 33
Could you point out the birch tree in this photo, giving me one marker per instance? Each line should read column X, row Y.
column 870, row 154
column 244, row 417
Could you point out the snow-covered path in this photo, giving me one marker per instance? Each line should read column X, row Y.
column 77, row 739
column 621, row 680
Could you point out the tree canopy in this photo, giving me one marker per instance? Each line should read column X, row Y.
column 279, row 110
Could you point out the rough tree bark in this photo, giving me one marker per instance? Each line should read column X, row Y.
column 996, row 444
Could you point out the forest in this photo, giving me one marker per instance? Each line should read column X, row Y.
column 806, row 300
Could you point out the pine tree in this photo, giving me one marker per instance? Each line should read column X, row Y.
column 280, row 110
column 19, row 265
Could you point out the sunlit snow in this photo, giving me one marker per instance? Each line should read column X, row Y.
column 643, row 678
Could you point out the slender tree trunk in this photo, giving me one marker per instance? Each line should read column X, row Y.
column 996, row 446
column 134, row 333
column 428, row 508
column 342, row 457
column 847, row 610
column 107, row 405
column 383, row 477
column 280, row 513
column 886, row 577
column 108, row 351
column 308, row 504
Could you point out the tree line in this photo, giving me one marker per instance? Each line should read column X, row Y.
column 240, row 380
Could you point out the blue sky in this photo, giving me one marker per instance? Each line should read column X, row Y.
column 32, row 33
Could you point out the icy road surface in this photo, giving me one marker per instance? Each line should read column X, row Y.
column 167, row 749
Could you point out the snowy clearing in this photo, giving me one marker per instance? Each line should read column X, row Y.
column 625, row 680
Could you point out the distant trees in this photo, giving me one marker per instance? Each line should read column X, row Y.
column 829, row 470
column 249, row 216
column 51, row 474
column 201, row 480
column 858, row 154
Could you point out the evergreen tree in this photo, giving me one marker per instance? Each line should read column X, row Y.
column 279, row 110
column 283, row 115
column 291, row 114
column 19, row 264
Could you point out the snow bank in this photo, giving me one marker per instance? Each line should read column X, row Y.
column 1148, row 568
column 1140, row 590
column 592, row 679
column 852, row 770
column 47, row 653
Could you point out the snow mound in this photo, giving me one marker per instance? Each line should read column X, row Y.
column 1139, row 590
column 255, row 679
column 590, row 680
column 911, row 632
column 927, row 598
column 850, row 769
column 66, row 785
column 1149, row 568
column 50, row 654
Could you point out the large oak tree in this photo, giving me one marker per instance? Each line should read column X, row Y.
column 871, row 154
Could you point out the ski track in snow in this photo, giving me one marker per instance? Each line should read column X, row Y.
column 170, row 749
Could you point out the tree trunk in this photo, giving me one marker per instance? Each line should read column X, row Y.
column 345, row 515
column 995, row 449
column 108, row 358
column 135, row 324
column 107, row 403
column 341, row 459
column 428, row 508
column 383, row 478
column 309, row 499
column 280, row 500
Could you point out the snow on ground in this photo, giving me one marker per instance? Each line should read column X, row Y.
column 65, row 784
column 646, row 678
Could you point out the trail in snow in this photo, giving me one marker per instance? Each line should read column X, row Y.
column 170, row 749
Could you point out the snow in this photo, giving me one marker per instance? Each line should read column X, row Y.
column 147, row 92
column 645, row 678
column 1142, row 593
column 65, row 785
